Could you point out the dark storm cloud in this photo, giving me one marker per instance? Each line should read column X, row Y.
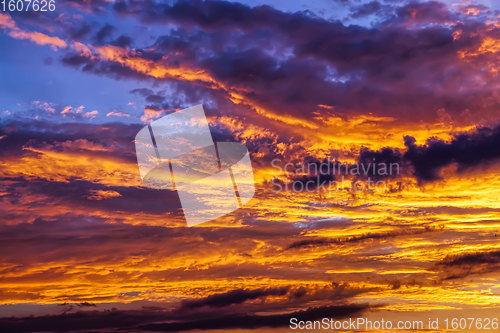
column 323, row 241
column 122, row 41
column 366, row 9
column 462, row 265
column 291, row 62
column 77, row 60
column 234, row 297
column 394, row 57
column 152, row 97
column 466, row 150
column 155, row 99
column 244, row 66
column 385, row 156
column 429, row 11
column 104, row 34
column 79, row 32
column 116, row 70
column 210, row 14
column 176, row 96
column 111, row 69
column 314, row 36
column 86, row 304
column 473, row 259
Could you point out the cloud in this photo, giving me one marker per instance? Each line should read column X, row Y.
column 117, row 114
column 146, row 320
column 465, row 264
column 276, row 79
column 151, row 113
column 288, row 85
column 321, row 241
column 425, row 12
column 283, row 76
column 70, row 137
column 6, row 22
column 257, row 321
column 91, row 114
column 234, row 297
column 104, row 33
column 366, row 9
column 467, row 150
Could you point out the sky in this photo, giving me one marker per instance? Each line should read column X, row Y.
column 86, row 246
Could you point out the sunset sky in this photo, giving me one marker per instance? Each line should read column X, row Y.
column 85, row 246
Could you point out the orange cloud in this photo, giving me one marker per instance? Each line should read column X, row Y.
column 100, row 194
column 490, row 48
column 151, row 68
column 117, row 114
column 91, row 114
column 151, row 114
column 7, row 22
column 39, row 38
